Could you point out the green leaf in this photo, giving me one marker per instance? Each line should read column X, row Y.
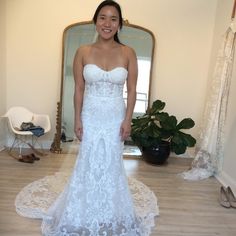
column 156, row 133
column 158, row 105
column 170, row 123
column 186, row 123
column 178, row 139
column 162, row 116
column 178, row 149
column 188, row 139
column 165, row 134
column 140, row 122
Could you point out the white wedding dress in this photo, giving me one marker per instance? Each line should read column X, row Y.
column 97, row 198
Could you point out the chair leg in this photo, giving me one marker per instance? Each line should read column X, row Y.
column 13, row 144
column 16, row 144
column 19, row 142
column 34, row 143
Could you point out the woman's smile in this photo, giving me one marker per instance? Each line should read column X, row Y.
column 108, row 21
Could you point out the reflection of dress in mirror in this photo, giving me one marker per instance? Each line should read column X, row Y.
column 98, row 199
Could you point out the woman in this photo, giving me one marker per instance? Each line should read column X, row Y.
column 97, row 200
column 107, row 55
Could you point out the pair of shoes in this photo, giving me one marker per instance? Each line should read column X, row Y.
column 26, row 159
column 29, row 158
column 227, row 198
column 34, row 157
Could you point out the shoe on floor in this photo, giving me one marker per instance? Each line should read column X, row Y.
column 34, row 157
column 231, row 197
column 224, row 199
column 26, row 159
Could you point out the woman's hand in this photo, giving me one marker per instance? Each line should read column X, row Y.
column 125, row 130
column 79, row 130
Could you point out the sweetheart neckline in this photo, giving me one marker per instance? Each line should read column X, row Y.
column 115, row 68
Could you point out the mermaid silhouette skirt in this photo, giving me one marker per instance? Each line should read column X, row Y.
column 97, row 198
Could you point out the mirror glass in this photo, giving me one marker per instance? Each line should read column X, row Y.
column 140, row 39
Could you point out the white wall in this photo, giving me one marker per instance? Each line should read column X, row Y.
column 2, row 70
column 183, row 30
column 228, row 175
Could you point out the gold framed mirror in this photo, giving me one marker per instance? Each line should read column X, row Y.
column 140, row 39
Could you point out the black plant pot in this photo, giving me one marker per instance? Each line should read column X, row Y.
column 157, row 155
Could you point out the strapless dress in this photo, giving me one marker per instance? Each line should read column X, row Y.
column 96, row 198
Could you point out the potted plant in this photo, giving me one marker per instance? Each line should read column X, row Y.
column 157, row 134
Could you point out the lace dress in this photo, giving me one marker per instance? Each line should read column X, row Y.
column 97, row 198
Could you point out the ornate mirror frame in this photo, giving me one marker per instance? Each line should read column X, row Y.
column 56, row 144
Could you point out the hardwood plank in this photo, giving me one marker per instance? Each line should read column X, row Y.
column 186, row 208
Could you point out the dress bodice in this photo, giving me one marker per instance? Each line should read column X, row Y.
column 102, row 83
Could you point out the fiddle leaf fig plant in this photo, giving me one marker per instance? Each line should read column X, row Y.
column 156, row 126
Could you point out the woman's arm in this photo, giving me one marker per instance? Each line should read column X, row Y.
column 131, row 93
column 79, row 92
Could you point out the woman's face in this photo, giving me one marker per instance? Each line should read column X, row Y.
column 107, row 22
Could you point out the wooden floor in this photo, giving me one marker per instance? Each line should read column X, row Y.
column 186, row 208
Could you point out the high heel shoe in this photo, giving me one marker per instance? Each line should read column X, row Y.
column 224, row 199
column 34, row 157
column 231, row 197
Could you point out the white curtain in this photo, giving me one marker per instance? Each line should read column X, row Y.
column 209, row 152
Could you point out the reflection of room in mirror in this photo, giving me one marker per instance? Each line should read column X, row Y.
column 138, row 38
column 130, row 150
column 142, row 86
column 74, row 38
column 142, row 42
column 73, row 148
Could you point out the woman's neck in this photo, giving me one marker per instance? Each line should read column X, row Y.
column 106, row 44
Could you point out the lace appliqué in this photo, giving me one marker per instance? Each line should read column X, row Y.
column 96, row 199
column 34, row 200
column 209, row 156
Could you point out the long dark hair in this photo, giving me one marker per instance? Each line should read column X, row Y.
column 113, row 4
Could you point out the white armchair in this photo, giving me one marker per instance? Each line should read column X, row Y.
column 16, row 116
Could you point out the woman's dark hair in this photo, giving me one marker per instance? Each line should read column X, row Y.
column 113, row 4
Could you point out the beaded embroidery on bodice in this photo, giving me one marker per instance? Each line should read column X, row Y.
column 103, row 83
column 103, row 103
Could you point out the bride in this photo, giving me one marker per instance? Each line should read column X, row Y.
column 98, row 199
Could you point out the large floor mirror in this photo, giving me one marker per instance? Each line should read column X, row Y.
column 140, row 39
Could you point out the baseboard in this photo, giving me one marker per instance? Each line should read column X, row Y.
column 3, row 136
column 226, row 180
column 2, row 146
column 46, row 144
column 190, row 153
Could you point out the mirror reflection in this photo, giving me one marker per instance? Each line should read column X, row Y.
column 140, row 39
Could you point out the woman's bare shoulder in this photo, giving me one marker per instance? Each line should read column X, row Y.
column 129, row 51
column 83, row 49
